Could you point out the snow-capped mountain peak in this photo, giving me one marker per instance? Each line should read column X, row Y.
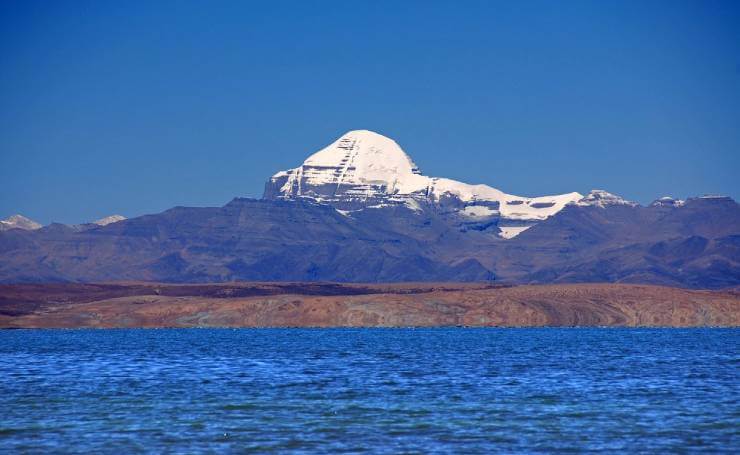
column 18, row 222
column 109, row 219
column 366, row 170
column 601, row 198
column 364, row 156
column 360, row 162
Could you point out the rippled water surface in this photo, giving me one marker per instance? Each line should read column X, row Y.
column 378, row 390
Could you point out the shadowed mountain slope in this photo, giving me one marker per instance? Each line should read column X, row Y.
column 694, row 245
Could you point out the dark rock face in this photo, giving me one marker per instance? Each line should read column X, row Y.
column 695, row 244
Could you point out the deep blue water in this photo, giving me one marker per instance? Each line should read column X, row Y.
column 377, row 390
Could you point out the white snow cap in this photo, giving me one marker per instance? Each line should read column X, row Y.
column 361, row 157
column 601, row 198
column 19, row 222
column 109, row 219
column 367, row 164
column 373, row 156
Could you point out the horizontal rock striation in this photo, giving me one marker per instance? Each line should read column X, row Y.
column 334, row 305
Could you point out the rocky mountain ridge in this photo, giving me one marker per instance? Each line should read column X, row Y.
column 374, row 220
column 695, row 245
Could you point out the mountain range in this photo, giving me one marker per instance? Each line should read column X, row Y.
column 360, row 210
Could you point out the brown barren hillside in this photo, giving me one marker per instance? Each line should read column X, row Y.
column 354, row 305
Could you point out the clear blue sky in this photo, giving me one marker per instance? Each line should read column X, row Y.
column 134, row 107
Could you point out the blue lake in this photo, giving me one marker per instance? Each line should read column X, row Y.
column 375, row 390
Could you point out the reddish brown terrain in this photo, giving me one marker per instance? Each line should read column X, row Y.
column 350, row 305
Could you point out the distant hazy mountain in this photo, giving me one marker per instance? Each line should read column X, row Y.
column 361, row 211
column 18, row 222
column 21, row 222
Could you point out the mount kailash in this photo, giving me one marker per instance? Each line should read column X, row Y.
column 360, row 210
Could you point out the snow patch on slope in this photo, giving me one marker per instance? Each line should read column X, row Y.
column 478, row 211
column 109, row 219
column 509, row 232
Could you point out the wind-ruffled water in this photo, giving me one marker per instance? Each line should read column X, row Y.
column 377, row 390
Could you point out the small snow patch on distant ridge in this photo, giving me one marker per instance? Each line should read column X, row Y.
column 667, row 201
column 109, row 220
column 601, row 198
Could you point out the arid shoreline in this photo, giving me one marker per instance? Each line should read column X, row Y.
column 128, row 305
